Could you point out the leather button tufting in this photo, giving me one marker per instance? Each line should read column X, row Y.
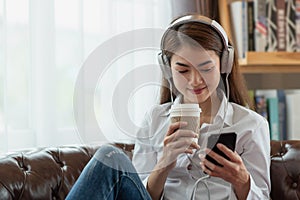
column 282, row 154
column 294, row 185
column 23, row 167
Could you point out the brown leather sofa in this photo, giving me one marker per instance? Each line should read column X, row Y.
column 285, row 170
column 49, row 173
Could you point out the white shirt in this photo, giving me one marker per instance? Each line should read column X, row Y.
column 253, row 145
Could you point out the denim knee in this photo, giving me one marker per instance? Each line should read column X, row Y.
column 114, row 157
column 107, row 149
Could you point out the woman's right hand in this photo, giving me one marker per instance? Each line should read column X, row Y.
column 177, row 141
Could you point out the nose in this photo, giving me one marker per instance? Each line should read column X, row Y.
column 195, row 78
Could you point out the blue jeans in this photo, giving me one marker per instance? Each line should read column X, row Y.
column 109, row 175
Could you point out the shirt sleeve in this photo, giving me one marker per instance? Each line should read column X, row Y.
column 256, row 157
column 144, row 160
column 144, row 156
column 147, row 144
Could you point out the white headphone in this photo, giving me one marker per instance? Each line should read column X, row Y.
column 227, row 53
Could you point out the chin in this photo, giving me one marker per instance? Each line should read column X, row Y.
column 193, row 100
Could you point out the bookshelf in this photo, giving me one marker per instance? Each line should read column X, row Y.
column 271, row 70
column 265, row 70
column 275, row 71
column 271, row 62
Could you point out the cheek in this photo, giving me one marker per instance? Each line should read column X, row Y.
column 212, row 78
column 179, row 80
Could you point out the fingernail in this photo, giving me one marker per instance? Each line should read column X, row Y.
column 220, row 145
column 201, row 156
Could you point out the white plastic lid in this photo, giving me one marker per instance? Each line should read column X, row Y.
column 185, row 110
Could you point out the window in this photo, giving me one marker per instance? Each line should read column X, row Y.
column 43, row 47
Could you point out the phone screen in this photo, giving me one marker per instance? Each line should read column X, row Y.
column 228, row 139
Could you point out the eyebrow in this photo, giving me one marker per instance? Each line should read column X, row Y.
column 201, row 64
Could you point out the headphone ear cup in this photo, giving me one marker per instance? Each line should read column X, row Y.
column 227, row 60
column 164, row 66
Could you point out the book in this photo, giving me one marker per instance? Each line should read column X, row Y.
column 272, row 111
column 238, row 13
column 290, row 15
column 260, row 25
column 293, row 115
column 272, row 105
column 261, row 105
column 282, row 114
column 298, row 24
column 251, row 25
column 251, row 98
column 271, row 14
column 281, row 25
column 244, row 27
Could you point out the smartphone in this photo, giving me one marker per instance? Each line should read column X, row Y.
column 228, row 139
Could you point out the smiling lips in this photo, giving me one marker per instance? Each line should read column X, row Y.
column 197, row 91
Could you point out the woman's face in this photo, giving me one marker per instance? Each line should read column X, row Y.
column 196, row 73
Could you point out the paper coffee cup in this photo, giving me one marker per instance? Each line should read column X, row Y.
column 189, row 113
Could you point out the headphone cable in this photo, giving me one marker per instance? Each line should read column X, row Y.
column 196, row 185
column 221, row 128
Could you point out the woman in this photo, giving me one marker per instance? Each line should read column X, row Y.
column 197, row 60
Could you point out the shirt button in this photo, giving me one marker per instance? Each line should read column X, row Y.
column 189, row 167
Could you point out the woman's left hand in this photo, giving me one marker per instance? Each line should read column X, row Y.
column 233, row 170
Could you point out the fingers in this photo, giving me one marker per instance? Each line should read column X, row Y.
column 233, row 170
column 190, row 149
column 174, row 132
column 184, row 143
column 227, row 165
column 231, row 156
column 206, row 166
column 229, row 153
column 179, row 141
column 175, row 126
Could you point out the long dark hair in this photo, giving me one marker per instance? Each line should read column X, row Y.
column 209, row 39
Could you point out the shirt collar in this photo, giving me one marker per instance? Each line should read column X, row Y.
column 225, row 112
column 167, row 106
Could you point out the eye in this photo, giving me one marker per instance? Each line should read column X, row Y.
column 206, row 69
column 182, row 71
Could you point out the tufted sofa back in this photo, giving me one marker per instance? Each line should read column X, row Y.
column 45, row 173
column 49, row 173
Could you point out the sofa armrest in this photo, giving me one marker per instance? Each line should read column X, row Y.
column 285, row 169
column 44, row 173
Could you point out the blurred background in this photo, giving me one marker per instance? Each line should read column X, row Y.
column 43, row 44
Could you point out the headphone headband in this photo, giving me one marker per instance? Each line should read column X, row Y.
column 204, row 20
column 228, row 51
